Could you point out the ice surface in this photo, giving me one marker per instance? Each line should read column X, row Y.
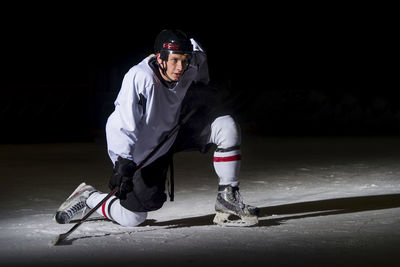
column 324, row 201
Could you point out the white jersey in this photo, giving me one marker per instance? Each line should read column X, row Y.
column 146, row 110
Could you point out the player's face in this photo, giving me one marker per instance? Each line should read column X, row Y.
column 175, row 66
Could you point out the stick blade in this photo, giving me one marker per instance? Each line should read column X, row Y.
column 57, row 241
column 62, row 237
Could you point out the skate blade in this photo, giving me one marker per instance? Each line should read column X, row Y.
column 226, row 219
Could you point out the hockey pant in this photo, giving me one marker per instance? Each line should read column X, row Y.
column 149, row 182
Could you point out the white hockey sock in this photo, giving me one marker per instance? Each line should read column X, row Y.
column 225, row 133
column 227, row 167
column 113, row 210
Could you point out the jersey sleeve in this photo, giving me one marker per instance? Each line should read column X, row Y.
column 123, row 125
column 199, row 61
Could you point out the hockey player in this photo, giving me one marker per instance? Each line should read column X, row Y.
column 153, row 97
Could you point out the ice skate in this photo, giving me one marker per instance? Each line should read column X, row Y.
column 74, row 203
column 231, row 211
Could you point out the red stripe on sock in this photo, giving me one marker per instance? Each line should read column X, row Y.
column 103, row 209
column 225, row 159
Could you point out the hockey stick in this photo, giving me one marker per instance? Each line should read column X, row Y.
column 62, row 237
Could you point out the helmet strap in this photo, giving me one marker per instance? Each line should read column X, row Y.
column 164, row 69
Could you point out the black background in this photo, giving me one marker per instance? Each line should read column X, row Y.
column 290, row 70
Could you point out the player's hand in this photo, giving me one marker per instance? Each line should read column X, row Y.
column 123, row 177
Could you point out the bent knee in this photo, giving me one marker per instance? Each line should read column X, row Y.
column 132, row 219
column 225, row 132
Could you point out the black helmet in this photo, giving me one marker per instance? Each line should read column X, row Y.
column 172, row 42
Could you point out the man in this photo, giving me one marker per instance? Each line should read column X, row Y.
column 153, row 98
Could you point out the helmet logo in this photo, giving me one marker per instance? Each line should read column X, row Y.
column 171, row 46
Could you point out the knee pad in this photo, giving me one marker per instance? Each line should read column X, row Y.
column 225, row 133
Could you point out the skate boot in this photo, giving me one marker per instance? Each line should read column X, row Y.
column 231, row 211
column 74, row 203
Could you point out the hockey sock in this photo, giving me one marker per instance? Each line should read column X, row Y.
column 113, row 210
column 225, row 133
column 227, row 166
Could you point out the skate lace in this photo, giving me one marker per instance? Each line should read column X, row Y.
column 75, row 208
column 238, row 199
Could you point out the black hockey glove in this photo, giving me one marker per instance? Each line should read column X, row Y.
column 123, row 177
